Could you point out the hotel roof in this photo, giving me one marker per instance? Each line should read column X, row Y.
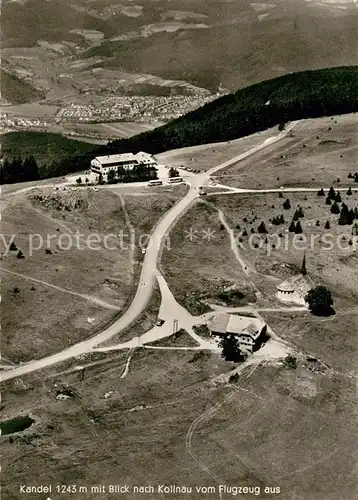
column 116, row 158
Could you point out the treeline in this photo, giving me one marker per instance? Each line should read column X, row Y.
column 18, row 170
column 18, row 91
column 295, row 96
column 139, row 173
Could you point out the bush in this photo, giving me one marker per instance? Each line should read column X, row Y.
column 262, row 228
column 202, row 331
column 234, row 378
column 231, row 296
column 290, row 362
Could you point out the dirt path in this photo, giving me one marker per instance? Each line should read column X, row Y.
column 233, row 243
column 206, row 415
column 130, row 229
column 246, row 309
column 90, row 298
column 232, row 191
column 126, row 366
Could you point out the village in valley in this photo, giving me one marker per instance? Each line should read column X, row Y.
column 178, row 250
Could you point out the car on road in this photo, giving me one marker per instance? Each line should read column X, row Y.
column 202, row 193
column 160, row 322
column 143, row 250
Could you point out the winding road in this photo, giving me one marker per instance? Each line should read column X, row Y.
column 149, row 269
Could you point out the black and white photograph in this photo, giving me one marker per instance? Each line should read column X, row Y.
column 178, row 249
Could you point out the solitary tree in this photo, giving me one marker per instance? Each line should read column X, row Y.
column 287, row 205
column 320, row 301
column 262, row 228
column 290, row 362
column 303, row 266
column 327, row 225
column 298, row 228
column 320, row 192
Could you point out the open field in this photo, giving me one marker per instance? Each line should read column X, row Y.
column 31, row 110
column 78, row 253
column 209, row 155
column 32, row 323
column 151, row 206
column 330, row 339
column 315, row 156
column 199, row 262
column 165, row 423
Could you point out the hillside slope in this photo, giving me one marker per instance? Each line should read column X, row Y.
column 240, row 54
column 308, row 94
column 46, row 148
column 17, row 91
